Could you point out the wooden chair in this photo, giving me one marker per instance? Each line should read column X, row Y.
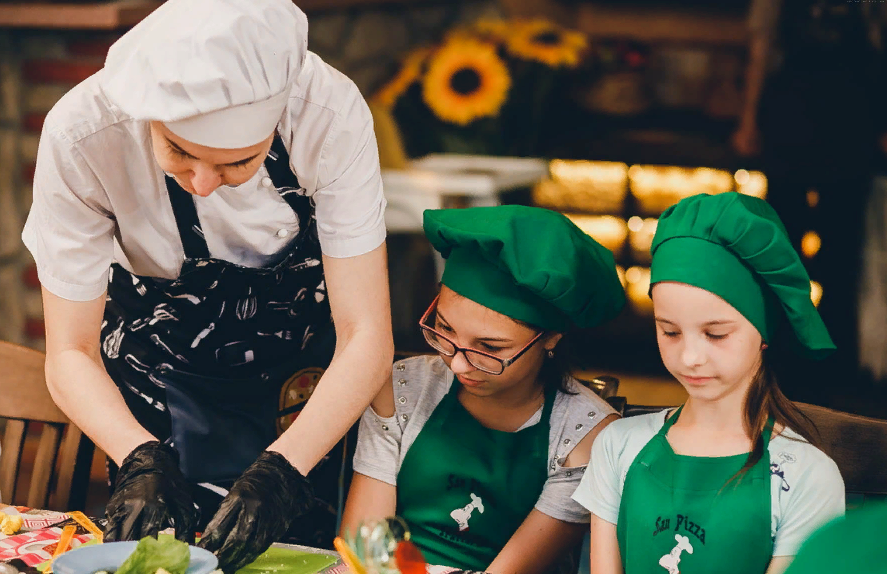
column 60, row 474
column 606, row 386
column 857, row 444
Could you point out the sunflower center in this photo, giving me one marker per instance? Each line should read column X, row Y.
column 465, row 81
column 550, row 38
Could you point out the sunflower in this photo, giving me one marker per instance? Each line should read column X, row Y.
column 545, row 42
column 494, row 30
column 465, row 80
column 409, row 72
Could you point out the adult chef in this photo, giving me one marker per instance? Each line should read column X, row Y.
column 207, row 219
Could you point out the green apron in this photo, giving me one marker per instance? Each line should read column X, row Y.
column 464, row 489
column 679, row 514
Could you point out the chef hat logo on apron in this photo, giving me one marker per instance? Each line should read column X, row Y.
column 222, row 84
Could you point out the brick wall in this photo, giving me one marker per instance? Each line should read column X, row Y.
column 38, row 67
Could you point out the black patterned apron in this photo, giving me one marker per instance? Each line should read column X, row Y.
column 220, row 360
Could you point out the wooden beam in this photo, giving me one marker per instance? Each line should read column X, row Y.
column 79, row 16
column 310, row 6
column 671, row 25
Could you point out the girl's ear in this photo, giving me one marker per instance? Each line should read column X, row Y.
column 552, row 340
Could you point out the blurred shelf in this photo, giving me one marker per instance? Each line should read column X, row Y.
column 662, row 136
column 645, row 23
column 110, row 15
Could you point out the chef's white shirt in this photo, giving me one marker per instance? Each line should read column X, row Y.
column 100, row 197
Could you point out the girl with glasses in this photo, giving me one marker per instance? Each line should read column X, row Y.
column 480, row 447
column 731, row 482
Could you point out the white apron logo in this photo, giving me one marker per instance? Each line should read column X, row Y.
column 671, row 560
column 462, row 515
column 776, row 468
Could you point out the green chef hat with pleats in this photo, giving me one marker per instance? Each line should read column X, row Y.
column 528, row 263
column 736, row 247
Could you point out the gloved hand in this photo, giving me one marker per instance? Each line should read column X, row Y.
column 257, row 511
column 150, row 494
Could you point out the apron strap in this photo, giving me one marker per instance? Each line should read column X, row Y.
column 185, row 213
column 187, row 221
column 278, row 165
column 670, row 421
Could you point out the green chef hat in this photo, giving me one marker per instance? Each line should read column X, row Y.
column 528, row 263
column 736, row 247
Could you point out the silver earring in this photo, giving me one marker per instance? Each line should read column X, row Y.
column 550, row 353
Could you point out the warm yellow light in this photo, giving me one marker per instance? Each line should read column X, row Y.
column 608, row 230
column 815, row 293
column 620, row 272
column 810, row 244
column 589, row 186
column 637, row 288
column 755, row 183
column 659, row 186
column 634, row 275
column 635, row 223
column 642, row 238
column 573, row 170
column 812, row 198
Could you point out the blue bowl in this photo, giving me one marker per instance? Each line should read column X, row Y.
column 109, row 556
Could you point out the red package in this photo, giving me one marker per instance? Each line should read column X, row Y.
column 35, row 548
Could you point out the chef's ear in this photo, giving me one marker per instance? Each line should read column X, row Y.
column 551, row 340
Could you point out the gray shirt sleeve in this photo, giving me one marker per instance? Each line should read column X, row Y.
column 382, row 442
column 572, row 418
column 377, row 454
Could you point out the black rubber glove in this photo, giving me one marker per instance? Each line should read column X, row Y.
column 257, row 511
column 150, row 494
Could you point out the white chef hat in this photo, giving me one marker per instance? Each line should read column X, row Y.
column 216, row 72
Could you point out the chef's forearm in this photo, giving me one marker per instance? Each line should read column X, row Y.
column 80, row 387
column 358, row 371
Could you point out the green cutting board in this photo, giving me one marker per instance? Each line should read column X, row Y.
column 273, row 561
column 286, row 561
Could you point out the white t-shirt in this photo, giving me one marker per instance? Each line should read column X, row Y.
column 420, row 383
column 100, row 197
column 806, row 488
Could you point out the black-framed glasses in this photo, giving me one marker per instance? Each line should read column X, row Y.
column 478, row 359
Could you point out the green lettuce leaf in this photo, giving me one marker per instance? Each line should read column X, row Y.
column 168, row 553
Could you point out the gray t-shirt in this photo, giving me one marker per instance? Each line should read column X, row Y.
column 806, row 487
column 420, row 383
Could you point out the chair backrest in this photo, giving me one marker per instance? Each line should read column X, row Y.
column 857, row 444
column 60, row 474
column 606, row 386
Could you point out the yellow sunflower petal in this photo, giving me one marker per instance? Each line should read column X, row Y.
column 492, row 29
column 545, row 42
column 466, row 80
column 409, row 72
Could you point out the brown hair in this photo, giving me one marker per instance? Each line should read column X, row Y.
column 765, row 400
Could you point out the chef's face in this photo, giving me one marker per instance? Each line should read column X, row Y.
column 470, row 324
column 201, row 170
column 705, row 343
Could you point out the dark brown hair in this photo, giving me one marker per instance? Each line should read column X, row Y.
column 765, row 400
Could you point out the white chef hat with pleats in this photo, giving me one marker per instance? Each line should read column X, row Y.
column 217, row 73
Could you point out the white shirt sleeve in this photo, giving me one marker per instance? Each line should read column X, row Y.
column 349, row 199
column 815, row 496
column 600, row 490
column 70, row 228
column 377, row 454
